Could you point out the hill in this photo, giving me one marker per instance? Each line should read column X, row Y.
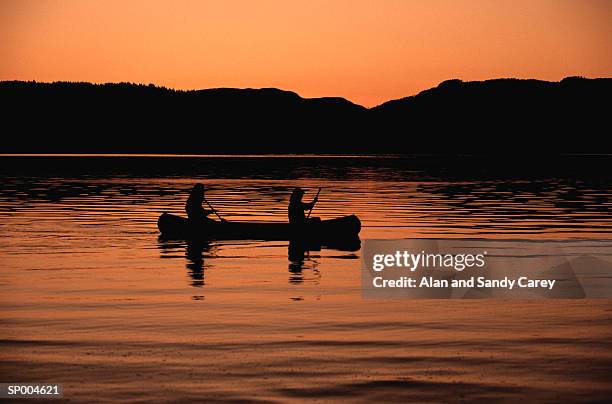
column 493, row 116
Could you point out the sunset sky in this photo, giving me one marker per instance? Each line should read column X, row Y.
column 366, row 51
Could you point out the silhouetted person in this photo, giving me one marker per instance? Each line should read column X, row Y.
column 193, row 207
column 297, row 207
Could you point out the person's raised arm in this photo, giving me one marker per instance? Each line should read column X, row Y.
column 310, row 205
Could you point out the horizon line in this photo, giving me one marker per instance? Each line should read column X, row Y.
column 99, row 83
column 270, row 155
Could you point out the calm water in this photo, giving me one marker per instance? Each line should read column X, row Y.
column 91, row 298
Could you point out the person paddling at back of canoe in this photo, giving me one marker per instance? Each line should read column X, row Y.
column 297, row 207
column 193, row 207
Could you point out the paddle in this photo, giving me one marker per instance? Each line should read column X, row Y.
column 214, row 210
column 310, row 211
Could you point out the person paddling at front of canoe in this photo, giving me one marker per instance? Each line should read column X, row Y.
column 195, row 210
column 297, row 208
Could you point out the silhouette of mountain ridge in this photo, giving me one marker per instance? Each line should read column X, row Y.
column 492, row 116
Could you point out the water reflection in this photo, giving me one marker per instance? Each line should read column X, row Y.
column 300, row 260
column 196, row 253
column 200, row 256
column 109, row 206
column 81, row 267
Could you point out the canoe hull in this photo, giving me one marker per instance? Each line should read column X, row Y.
column 340, row 229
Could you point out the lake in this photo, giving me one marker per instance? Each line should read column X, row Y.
column 92, row 298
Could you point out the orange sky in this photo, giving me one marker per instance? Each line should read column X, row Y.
column 366, row 51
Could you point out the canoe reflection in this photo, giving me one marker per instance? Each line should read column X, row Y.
column 195, row 252
column 300, row 258
column 199, row 254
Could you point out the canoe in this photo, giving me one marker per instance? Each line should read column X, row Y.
column 334, row 230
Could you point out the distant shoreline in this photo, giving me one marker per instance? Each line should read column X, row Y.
column 500, row 116
column 235, row 90
column 280, row 155
column 270, row 155
column 171, row 155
